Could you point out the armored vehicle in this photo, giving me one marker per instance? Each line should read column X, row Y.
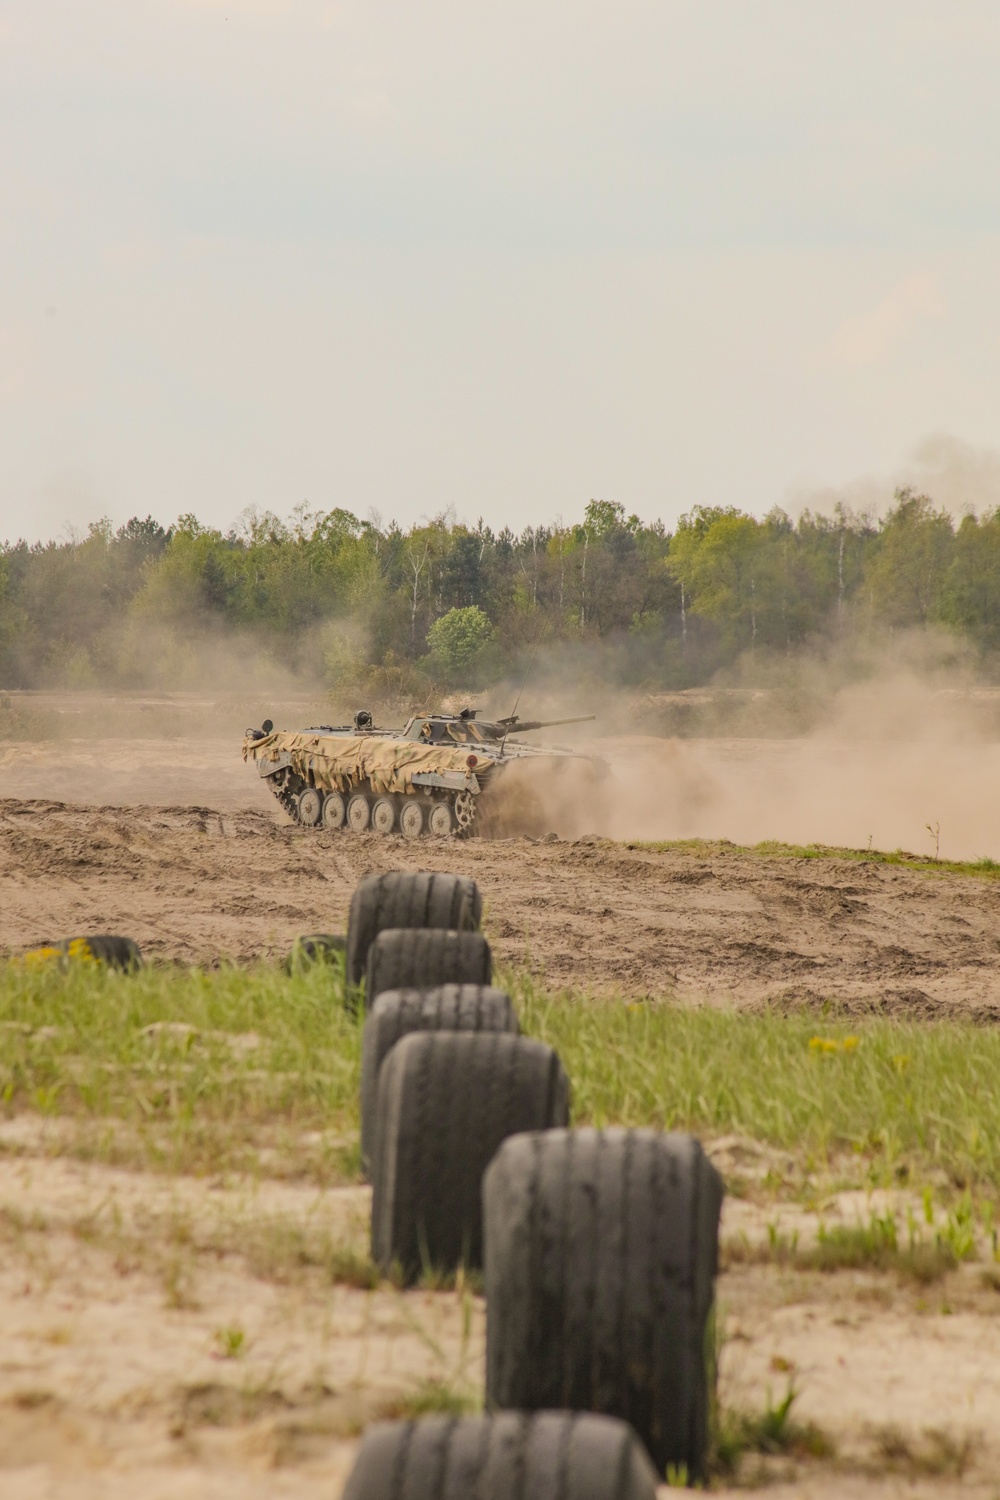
column 434, row 776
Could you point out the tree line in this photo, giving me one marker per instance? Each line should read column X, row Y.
column 366, row 606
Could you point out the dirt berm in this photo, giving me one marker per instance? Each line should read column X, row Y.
column 198, row 885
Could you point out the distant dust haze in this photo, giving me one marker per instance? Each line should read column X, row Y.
column 900, row 749
column 907, row 757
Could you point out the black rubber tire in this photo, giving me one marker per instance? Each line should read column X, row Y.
column 446, row 1101
column 553, row 1455
column 420, row 958
column 114, row 952
column 448, row 1007
column 317, row 948
column 601, row 1252
column 404, row 899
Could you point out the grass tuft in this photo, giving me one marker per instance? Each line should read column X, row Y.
column 983, row 868
column 771, row 1432
column 434, row 1398
column 932, row 1453
column 871, row 1246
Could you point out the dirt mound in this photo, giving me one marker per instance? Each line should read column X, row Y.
column 198, row 884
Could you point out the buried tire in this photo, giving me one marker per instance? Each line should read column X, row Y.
column 315, row 948
column 421, row 958
column 549, row 1456
column 102, row 948
column 601, row 1251
column 396, row 1013
column 401, row 899
column 446, row 1101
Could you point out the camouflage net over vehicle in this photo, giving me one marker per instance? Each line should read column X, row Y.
column 427, row 778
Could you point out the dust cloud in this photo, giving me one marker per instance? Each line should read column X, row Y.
column 894, row 745
column 902, row 760
column 960, row 476
column 899, row 748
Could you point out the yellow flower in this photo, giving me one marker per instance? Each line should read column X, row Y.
column 828, row 1044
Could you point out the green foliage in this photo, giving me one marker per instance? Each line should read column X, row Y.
column 908, row 568
column 433, row 1398
column 327, row 590
column 458, row 640
column 200, row 1067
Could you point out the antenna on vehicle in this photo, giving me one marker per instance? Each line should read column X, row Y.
column 509, row 723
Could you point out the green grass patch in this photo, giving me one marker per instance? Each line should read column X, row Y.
column 230, row 1069
column 899, row 1099
column 987, row 869
column 202, row 1070
column 770, row 1432
column 920, row 1255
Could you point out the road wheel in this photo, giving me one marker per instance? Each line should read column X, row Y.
column 448, row 1007
column 601, row 1250
column 334, row 811
column 420, row 958
column 310, row 806
column 411, row 818
column 384, row 815
column 401, row 899
column 554, row 1455
column 446, row 1101
column 441, row 821
column 358, row 813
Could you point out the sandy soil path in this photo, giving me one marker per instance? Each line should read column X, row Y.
column 121, row 1295
column 198, row 884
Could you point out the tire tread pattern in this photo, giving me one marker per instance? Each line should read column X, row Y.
column 601, row 1253
column 446, row 1102
column 553, row 1455
column 395, row 1013
column 425, row 957
column 406, row 899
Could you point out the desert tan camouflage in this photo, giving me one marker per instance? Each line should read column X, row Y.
column 339, row 762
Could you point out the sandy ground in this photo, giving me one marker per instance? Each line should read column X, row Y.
column 153, row 1345
column 200, row 884
column 121, row 1296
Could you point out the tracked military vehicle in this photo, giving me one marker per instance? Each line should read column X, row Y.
column 435, row 776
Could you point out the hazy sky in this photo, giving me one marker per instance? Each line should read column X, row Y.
column 493, row 255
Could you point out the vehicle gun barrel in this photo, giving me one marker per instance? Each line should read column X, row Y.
column 514, row 725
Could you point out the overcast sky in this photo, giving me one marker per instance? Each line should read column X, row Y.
column 493, row 255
